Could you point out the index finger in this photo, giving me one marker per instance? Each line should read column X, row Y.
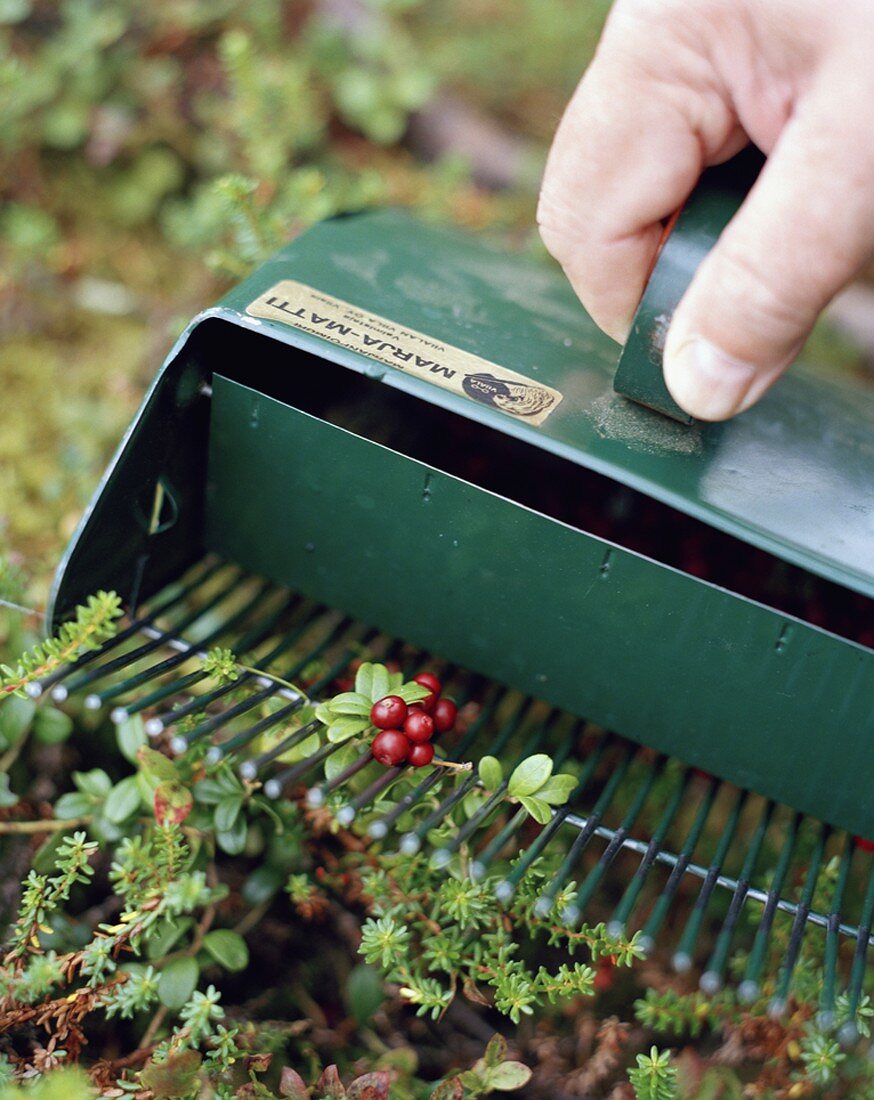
column 642, row 124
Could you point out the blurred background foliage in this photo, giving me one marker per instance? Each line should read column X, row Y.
column 152, row 153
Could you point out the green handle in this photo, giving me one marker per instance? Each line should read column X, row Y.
column 708, row 210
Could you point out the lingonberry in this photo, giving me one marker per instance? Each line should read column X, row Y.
column 391, row 747
column 864, row 844
column 420, row 755
column 429, row 681
column 445, row 713
column 388, row 713
column 419, row 726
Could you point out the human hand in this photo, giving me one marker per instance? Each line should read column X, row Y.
column 676, row 86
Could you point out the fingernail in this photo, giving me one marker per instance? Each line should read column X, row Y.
column 706, row 382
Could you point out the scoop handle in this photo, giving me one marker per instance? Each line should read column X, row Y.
column 689, row 236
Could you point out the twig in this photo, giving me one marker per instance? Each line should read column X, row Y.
column 47, row 825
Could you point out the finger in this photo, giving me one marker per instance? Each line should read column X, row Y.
column 642, row 124
column 802, row 233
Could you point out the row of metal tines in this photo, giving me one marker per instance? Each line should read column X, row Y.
column 648, row 843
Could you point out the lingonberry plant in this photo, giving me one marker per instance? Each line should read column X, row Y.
column 156, row 908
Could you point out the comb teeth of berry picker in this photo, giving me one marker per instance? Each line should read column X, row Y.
column 697, row 866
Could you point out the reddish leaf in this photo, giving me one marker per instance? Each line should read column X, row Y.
column 329, row 1085
column 258, row 1063
column 174, row 1078
column 451, row 1089
column 172, row 803
column 370, row 1086
column 291, row 1085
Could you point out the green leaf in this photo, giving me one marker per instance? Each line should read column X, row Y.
column 490, row 772
column 227, row 812
column 74, row 804
column 123, row 800
column 530, row 775
column 228, row 948
column 412, row 693
column 395, row 679
column 340, row 760
column 7, row 796
column 324, row 714
column 364, row 992
column 213, row 791
column 509, row 1076
column 351, row 702
column 496, row 1051
column 538, row 809
column 177, row 982
column 131, row 736
column 155, row 765
column 379, row 683
column 348, row 726
column 557, row 789
column 161, row 939
column 95, row 783
column 52, row 726
column 16, row 714
column 234, row 840
column 364, row 680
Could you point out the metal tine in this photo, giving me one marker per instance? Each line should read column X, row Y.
column 799, row 923
column 361, row 635
column 162, row 637
column 317, row 794
column 59, row 694
column 442, row 856
column 274, row 786
column 186, row 651
column 505, row 889
column 711, row 979
column 381, row 825
column 748, row 989
column 159, row 722
column 616, row 924
column 849, row 1032
column 479, row 866
column 253, row 638
column 572, row 912
column 181, row 741
column 249, row 768
column 412, row 841
column 682, row 960
column 586, row 831
column 662, row 906
column 832, row 940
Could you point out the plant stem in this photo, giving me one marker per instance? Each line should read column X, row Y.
column 47, row 825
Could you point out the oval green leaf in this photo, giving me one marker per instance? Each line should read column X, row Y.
column 530, row 775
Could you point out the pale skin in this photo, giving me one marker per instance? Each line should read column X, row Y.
column 675, row 86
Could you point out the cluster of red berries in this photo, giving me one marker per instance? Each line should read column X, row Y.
column 406, row 730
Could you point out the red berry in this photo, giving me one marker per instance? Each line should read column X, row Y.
column 419, row 726
column 864, row 844
column 420, row 755
column 428, row 680
column 390, row 747
column 445, row 713
column 389, row 713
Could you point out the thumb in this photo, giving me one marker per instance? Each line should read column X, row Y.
column 802, row 233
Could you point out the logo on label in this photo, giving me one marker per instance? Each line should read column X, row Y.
column 519, row 398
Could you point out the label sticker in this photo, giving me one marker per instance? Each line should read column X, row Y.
column 317, row 313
